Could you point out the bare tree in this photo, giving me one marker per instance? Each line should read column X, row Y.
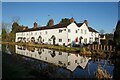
column 6, row 26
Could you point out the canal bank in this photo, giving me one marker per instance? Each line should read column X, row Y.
column 85, row 50
column 81, row 50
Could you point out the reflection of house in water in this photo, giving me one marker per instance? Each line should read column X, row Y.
column 63, row 59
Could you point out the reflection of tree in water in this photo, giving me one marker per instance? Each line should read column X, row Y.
column 116, row 71
column 31, row 49
column 24, row 47
column 3, row 47
column 12, row 48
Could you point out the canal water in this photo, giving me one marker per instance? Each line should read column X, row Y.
column 57, row 64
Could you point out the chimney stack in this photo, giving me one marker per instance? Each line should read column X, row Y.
column 35, row 25
column 72, row 20
column 86, row 22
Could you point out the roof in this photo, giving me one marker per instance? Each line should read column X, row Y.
column 44, row 28
column 79, row 24
column 92, row 30
column 55, row 27
column 51, row 27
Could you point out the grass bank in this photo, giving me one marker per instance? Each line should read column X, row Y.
column 81, row 50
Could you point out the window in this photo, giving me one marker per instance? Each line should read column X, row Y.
column 45, row 32
column 81, row 31
column 85, row 31
column 69, row 40
column 64, row 29
column 91, row 33
column 59, row 62
column 60, row 40
column 36, row 33
column 75, row 61
column 95, row 34
column 40, row 33
column 27, row 39
column 76, row 31
column 43, row 50
column 85, row 40
column 60, row 31
column 90, row 40
column 68, row 30
column 31, row 33
column 68, row 63
column 45, row 58
column 60, row 53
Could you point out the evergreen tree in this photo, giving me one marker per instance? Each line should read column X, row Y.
column 117, row 36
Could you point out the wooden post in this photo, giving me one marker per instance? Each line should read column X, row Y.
column 92, row 47
column 110, row 48
column 101, row 47
column 98, row 47
column 104, row 47
column 107, row 47
column 95, row 47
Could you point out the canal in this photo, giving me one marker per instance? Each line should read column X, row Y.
column 31, row 62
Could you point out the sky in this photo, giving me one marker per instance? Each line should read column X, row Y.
column 100, row 15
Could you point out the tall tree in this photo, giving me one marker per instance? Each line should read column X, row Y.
column 117, row 36
column 15, row 27
column 65, row 21
column 5, row 31
column 4, row 34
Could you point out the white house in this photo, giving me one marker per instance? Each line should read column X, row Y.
column 61, row 34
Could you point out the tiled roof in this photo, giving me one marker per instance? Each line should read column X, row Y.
column 92, row 30
column 44, row 27
column 79, row 24
column 55, row 27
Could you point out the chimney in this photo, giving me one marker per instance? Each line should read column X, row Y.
column 72, row 20
column 51, row 22
column 35, row 25
column 86, row 22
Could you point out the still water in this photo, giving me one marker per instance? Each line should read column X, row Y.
column 68, row 65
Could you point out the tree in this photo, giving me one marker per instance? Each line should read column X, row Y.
column 65, row 21
column 15, row 27
column 117, row 36
column 5, row 31
column 102, row 31
column 4, row 34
